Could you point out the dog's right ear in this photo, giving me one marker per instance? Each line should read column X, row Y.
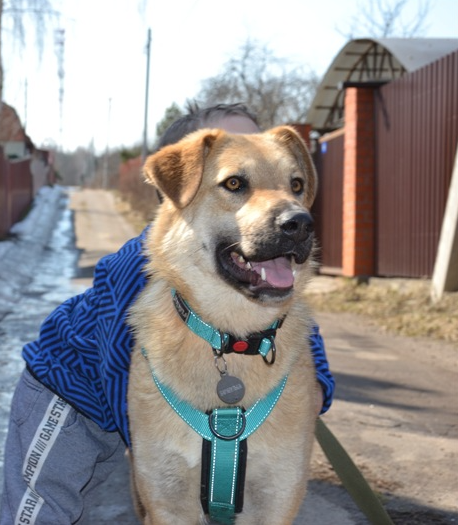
column 176, row 170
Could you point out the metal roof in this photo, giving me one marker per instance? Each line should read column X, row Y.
column 371, row 60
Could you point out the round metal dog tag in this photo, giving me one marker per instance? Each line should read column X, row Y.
column 230, row 389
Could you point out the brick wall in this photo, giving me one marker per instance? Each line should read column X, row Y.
column 359, row 183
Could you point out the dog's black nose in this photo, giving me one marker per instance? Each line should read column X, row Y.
column 298, row 226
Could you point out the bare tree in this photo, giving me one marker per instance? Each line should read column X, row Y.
column 385, row 18
column 273, row 88
column 40, row 12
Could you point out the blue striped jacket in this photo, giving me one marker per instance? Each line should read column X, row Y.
column 83, row 350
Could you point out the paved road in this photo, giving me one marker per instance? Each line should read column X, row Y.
column 395, row 401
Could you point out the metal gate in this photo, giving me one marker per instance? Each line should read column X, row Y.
column 328, row 208
column 417, row 135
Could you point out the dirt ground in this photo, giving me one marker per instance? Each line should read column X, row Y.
column 395, row 414
column 395, row 405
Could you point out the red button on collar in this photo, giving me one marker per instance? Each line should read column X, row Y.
column 240, row 346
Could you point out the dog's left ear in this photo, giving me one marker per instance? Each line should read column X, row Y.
column 176, row 170
column 289, row 137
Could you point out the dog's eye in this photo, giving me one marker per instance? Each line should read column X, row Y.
column 297, row 186
column 234, row 184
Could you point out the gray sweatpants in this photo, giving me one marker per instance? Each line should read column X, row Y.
column 54, row 456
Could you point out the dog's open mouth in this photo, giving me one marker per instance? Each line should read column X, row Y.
column 272, row 276
column 274, row 273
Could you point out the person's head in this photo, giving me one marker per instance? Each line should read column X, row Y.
column 234, row 118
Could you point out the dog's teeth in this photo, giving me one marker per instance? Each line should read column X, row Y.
column 294, row 273
column 263, row 274
column 241, row 259
column 248, row 266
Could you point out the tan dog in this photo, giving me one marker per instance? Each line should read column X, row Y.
column 233, row 237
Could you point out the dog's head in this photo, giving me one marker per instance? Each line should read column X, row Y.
column 242, row 205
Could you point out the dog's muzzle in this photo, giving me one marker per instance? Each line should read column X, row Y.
column 265, row 270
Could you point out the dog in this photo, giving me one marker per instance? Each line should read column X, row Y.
column 231, row 249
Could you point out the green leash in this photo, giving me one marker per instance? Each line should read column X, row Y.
column 351, row 476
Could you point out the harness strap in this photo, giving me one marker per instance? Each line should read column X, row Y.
column 224, row 465
column 200, row 422
column 226, row 429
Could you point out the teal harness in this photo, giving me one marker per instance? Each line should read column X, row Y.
column 224, row 430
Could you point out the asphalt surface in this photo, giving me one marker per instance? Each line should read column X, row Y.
column 395, row 406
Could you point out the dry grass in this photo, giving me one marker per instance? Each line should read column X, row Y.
column 397, row 305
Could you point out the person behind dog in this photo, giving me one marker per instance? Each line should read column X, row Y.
column 68, row 426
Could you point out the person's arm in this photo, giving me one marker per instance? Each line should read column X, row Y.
column 323, row 374
column 83, row 350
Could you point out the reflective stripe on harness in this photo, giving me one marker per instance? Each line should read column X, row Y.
column 225, row 429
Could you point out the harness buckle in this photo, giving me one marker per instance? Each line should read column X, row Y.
column 273, row 352
column 211, row 419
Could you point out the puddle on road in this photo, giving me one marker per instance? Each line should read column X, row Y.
column 51, row 285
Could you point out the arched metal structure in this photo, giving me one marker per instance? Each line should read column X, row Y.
column 370, row 60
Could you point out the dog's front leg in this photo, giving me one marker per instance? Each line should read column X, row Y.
column 156, row 511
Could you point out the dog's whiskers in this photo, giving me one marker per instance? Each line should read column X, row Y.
column 232, row 246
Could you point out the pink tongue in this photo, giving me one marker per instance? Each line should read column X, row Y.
column 278, row 272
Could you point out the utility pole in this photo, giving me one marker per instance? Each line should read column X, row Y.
column 25, row 104
column 145, row 122
column 59, row 41
column 105, row 160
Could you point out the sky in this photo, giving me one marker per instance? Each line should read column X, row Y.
column 105, row 60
